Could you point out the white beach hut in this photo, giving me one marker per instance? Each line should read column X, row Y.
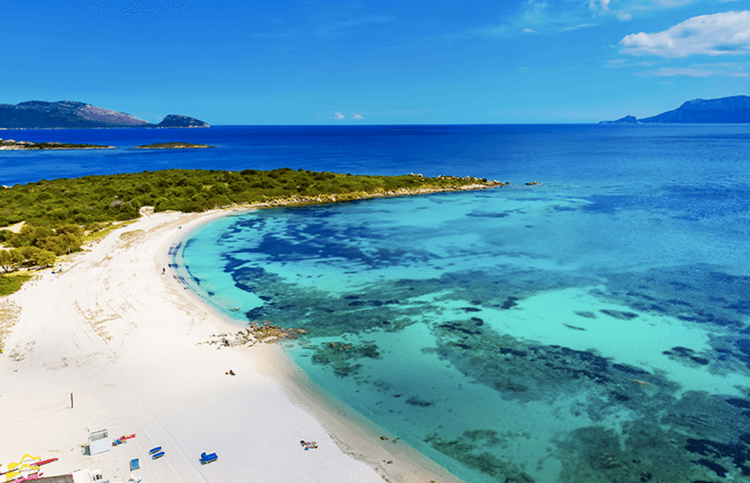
column 98, row 440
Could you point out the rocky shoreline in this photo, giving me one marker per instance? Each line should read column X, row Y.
column 478, row 184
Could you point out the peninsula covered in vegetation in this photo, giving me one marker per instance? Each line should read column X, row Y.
column 56, row 216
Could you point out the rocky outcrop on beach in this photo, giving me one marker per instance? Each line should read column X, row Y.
column 76, row 115
column 257, row 333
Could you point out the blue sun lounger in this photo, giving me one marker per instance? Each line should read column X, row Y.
column 153, row 451
column 208, row 458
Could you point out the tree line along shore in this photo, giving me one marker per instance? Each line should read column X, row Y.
column 56, row 217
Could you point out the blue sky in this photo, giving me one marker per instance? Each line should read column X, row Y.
column 376, row 61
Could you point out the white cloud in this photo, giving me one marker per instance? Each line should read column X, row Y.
column 599, row 6
column 617, row 63
column 535, row 10
column 583, row 25
column 701, row 70
column 493, row 31
column 337, row 116
column 673, row 3
column 681, row 71
column 718, row 34
column 623, row 15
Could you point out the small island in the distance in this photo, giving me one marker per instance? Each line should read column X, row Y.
column 173, row 145
column 726, row 110
column 13, row 145
column 79, row 115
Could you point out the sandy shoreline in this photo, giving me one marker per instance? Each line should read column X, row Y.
column 126, row 341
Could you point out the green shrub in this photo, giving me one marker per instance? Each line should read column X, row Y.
column 12, row 283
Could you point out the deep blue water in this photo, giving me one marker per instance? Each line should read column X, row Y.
column 591, row 328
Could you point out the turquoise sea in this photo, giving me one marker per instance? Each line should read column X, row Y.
column 592, row 328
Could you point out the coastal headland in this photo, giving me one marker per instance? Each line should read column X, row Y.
column 110, row 338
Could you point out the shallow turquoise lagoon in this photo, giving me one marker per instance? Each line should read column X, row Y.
column 593, row 331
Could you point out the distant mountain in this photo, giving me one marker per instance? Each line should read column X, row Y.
column 70, row 114
column 725, row 110
column 729, row 110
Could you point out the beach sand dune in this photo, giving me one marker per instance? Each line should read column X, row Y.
column 114, row 342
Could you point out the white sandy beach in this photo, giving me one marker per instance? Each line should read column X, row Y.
column 125, row 341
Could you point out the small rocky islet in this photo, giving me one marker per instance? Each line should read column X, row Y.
column 173, row 145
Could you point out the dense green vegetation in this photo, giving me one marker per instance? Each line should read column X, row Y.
column 38, row 246
column 10, row 284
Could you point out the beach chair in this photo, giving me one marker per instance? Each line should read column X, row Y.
column 135, row 464
column 158, row 455
column 208, row 458
column 153, row 451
